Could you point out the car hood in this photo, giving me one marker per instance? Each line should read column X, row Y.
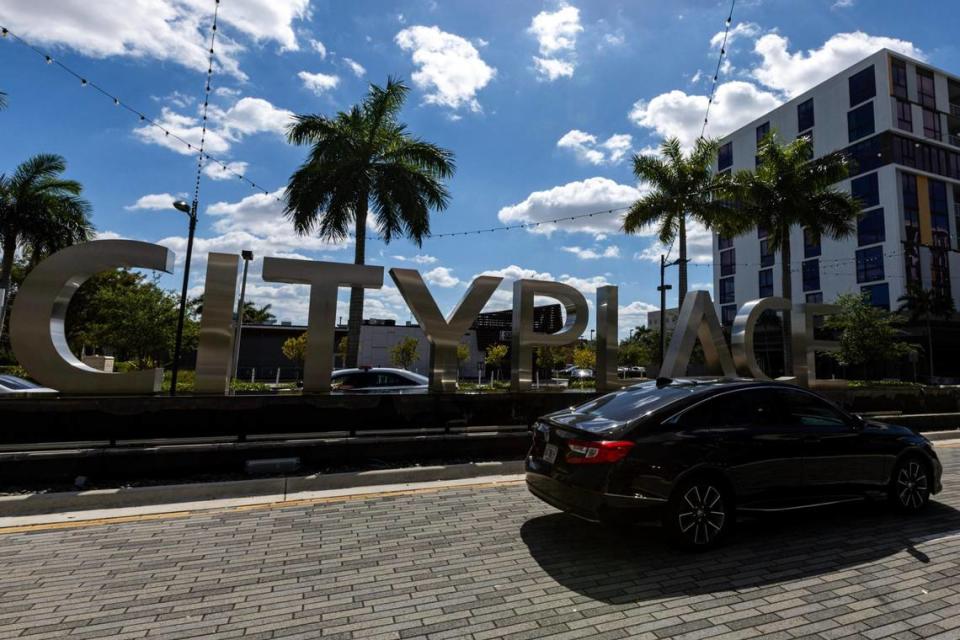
column 583, row 422
column 889, row 429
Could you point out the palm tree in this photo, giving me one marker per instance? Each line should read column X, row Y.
column 681, row 186
column 360, row 159
column 922, row 305
column 252, row 314
column 40, row 213
column 789, row 189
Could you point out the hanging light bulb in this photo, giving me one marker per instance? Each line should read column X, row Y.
column 83, row 82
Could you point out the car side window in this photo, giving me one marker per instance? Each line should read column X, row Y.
column 386, row 379
column 806, row 410
column 350, row 381
column 749, row 408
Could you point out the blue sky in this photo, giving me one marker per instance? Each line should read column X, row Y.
column 543, row 103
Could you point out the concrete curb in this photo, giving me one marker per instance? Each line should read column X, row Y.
column 280, row 488
column 934, row 436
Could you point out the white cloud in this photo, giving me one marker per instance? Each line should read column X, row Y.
column 251, row 115
column 586, row 148
column 357, row 68
column 699, row 246
column 441, row 277
column 634, row 315
column 319, row 47
column 319, row 83
column 226, row 92
column 503, row 297
column 450, row 68
column 794, row 73
column 676, row 113
column 164, row 30
column 418, row 259
column 225, row 171
column 742, row 30
column 154, row 201
column 556, row 33
column 541, row 208
column 612, row 251
column 186, row 127
column 843, row 4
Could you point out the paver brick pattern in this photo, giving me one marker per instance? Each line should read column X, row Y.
column 484, row 563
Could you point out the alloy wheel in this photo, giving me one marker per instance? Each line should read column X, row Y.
column 702, row 515
column 912, row 485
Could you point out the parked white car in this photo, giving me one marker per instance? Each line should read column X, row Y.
column 12, row 385
column 378, row 380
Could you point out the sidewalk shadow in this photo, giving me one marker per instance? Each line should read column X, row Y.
column 639, row 564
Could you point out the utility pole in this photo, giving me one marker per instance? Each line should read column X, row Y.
column 190, row 210
column 663, row 288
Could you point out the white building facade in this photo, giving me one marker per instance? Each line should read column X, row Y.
column 898, row 120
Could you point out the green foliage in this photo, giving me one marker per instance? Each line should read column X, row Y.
column 868, row 336
column 295, row 349
column 633, row 353
column 252, row 314
column 585, row 357
column 463, row 353
column 404, row 353
column 129, row 315
column 921, row 304
column 551, row 358
column 495, row 355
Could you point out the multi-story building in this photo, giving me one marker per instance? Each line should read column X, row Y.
column 898, row 120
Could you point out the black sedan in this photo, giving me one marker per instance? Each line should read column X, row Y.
column 694, row 453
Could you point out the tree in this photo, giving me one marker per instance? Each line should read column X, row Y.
column 495, row 355
column 463, row 354
column 128, row 314
column 789, row 189
column 404, row 353
column 921, row 305
column 584, row 357
column 363, row 158
column 40, row 213
column 252, row 314
column 868, row 336
column 681, row 186
column 295, row 349
column 633, row 353
column 342, row 349
column 548, row 357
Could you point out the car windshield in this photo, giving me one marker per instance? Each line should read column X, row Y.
column 632, row 403
column 16, row 384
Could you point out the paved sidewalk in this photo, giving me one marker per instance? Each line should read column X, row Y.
column 481, row 562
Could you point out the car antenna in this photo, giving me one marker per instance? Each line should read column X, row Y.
column 663, row 381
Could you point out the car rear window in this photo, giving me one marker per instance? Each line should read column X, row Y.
column 16, row 384
column 632, row 403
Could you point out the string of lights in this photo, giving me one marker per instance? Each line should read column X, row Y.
column 206, row 103
column 716, row 74
column 144, row 119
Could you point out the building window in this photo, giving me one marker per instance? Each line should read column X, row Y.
column 898, row 72
column 878, row 295
column 931, row 124
column 870, row 264
column 815, row 298
column 939, row 215
column 866, row 189
column 811, row 244
column 808, row 135
column 762, row 131
column 925, row 157
column 904, row 115
column 860, row 122
column 728, row 265
column 727, row 314
column 766, row 282
column 925, row 89
column 805, row 115
column 868, row 154
column 911, row 223
column 766, row 253
column 870, row 229
column 939, row 271
column 724, row 242
column 862, row 85
column 725, row 157
column 762, row 233
column 811, row 275
column 726, row 290
column 956, row 210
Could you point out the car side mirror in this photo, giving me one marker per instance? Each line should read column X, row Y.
column 858, row 422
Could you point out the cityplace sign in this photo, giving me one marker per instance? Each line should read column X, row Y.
column 38, row 337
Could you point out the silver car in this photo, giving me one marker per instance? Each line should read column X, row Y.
column 12, row 386
column 378, row 380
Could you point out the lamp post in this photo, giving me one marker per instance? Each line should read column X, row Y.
column 191, row 211
column 663, row 288
column 247, row 257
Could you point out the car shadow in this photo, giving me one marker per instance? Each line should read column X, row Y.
column 638, row 563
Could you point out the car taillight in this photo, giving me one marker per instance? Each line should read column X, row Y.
column 602, row 452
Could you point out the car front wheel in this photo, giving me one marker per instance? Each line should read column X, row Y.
column 700, row 514
column 910, row 485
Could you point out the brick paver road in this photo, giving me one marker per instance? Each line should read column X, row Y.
column 482, row 562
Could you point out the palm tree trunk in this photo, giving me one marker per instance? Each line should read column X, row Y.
column 6, row 272
column 786, row 285
column 355, row 319
column 930, row 346
column 682, row 237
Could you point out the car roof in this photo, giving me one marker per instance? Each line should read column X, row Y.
column 400, row 372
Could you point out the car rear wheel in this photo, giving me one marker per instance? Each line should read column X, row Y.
column 910, row 485
column 700, row 514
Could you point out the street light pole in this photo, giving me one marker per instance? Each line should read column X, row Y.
column 247, row 257
column 663, row 288
column 191, row 211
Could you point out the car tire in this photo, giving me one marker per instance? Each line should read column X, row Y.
column 699, row 514
column 910, row 484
